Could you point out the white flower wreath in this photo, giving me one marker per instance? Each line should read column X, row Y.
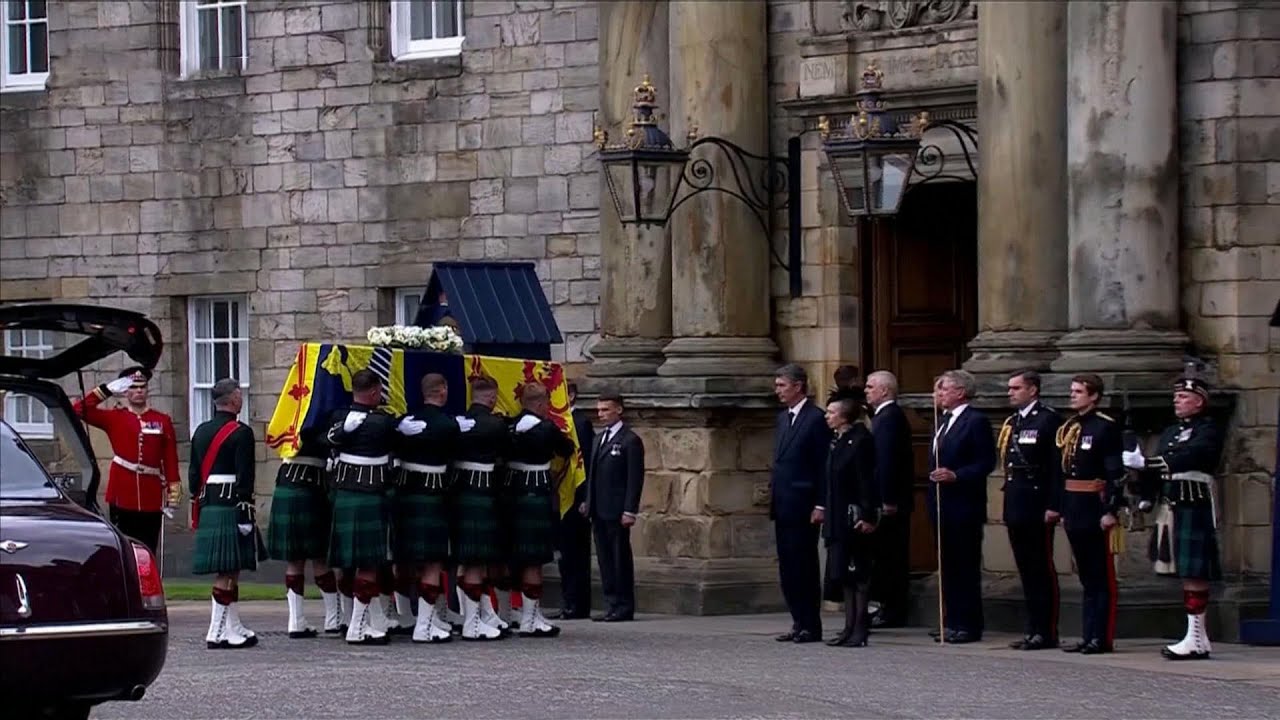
column 440, row 338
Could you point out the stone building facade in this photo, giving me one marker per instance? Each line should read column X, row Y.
column 1120, row 213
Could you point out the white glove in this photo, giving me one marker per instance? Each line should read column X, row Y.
column 354, row 420
column 465, row 423
column 119, row 385
column 1133, row 459
column 527, row 423
column 245, row 528
column 409, row 426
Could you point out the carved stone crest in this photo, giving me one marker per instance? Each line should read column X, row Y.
column 872, row 15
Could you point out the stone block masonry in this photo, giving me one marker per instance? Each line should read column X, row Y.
column 310, row 183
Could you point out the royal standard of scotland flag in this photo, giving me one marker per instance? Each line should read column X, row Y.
column 319, row 383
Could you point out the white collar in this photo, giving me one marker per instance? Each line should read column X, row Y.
column 955, row 412
column 1027, row 410
column 795, row 409
column 882, row 405
column 612, row 430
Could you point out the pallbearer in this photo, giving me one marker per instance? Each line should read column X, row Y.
column 535, row 440
column 299, row 532
column 476, row 543
column 1185, row 543
column 363, row 436
column 221, row 484
column 421, row 510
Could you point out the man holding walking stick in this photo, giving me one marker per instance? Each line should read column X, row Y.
column 962, row 456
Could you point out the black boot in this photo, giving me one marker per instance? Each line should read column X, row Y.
column 849, row 609
column 861, row 620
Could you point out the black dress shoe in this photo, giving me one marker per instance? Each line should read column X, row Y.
column 1074, row 648
column 934, row 633
column 962, row 637
column 1168, row 654
column 1094, row 647
column 807, row 636
column 788, row 636
column 1039, row 642
column 842, row 638
column 617, row 618
column 1020, row 644
column 572, row 615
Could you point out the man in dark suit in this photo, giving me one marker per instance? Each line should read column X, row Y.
column 575, row 528
column 801, row 441
column 963, row 455
column 613, row 501
column 895, row 475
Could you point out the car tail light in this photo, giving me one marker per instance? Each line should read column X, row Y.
column 149, row 584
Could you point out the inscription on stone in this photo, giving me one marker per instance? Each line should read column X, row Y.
column 925, row 67
column 823, row 75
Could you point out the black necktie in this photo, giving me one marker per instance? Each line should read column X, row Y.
column 946, row 422
column 791, row 418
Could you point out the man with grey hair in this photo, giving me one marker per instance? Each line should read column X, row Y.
column 962, row 456
column 220, row 479
column 801, row 442
column 895, row 477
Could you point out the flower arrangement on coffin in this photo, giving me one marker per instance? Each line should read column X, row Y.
column 439, row 338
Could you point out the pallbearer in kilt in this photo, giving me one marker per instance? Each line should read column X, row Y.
column 363, row 436
column 1086, row 500
column 299, row 532
column 427, row 441
column 535, row 441
column 221, row 484
column 477, row 546
column 1029, row 456
column 1185, row 541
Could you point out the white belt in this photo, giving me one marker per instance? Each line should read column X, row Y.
column 1193, row 476
column 526, row 467
column 304, row 460
column 473, row 466
column 428, row 469
column 136, row 467
column 221, row 480
column 363, row 459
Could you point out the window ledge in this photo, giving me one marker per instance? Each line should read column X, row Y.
column 427, row 68
column 24, row 87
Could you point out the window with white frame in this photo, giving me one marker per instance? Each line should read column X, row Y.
column 27, row 415
column 24, row 45
column 212, row 35
column 218, row 341
column 426, row 28
column 407, row 302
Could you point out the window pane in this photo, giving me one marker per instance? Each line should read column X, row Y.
column 233, row 312
column 21, row 409
column 208, row 32
column 201, row 322
column 232, row 41
column 221, row 361
column 237, row 357
column 18, row 49
column 420, row 20
column 17, row 10
column 220, row 320
column 446, row 19
column 38, row 9
column 39, row 47
column 204, row 364
column 202, row 401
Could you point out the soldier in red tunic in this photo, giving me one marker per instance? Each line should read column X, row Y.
column 143, row 479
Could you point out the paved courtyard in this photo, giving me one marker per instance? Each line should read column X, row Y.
column 687, row 667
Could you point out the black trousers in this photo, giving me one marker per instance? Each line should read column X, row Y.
column 962, row 576
column 891, row 577
column 617, row 567
column 1033, row 552
column 139, row 525
column 1097, row 572
column 575, row 563
column 800, row 575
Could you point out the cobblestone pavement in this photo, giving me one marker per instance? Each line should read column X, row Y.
column 688, row 667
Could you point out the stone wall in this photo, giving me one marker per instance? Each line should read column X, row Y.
column 313, row 182
column 1229, row 77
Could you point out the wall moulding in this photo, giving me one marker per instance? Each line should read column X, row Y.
column 850, row 18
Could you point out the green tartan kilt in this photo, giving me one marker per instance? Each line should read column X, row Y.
column 421, row 527
column 219, row 546
column 532, row 530
column 300, row 519
column 1193, row 545
column 359, row 538
column 475, row 531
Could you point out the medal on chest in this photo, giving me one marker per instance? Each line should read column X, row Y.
column 1028, row 437
column 1184, row 435
column 1086, row 442
column 151, row 427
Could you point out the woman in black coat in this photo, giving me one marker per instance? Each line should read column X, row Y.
column 852, row 506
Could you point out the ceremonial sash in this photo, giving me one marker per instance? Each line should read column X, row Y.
column 206, row 467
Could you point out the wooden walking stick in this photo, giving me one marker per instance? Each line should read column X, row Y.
column 937, row 496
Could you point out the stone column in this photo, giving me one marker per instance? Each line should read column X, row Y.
column 1122, row 189
column 720, row 282
column 635, row 278
column 1022, row 191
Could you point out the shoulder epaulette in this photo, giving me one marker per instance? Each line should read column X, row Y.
column 1105, row 416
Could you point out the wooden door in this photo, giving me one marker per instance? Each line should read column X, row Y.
column 921, row 271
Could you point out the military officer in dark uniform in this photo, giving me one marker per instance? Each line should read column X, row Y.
column 428, row 438
column 1029, row 456
column 535, row 440
column 1086, row 500
column 1185, row 542
column 220, row 479
column 363, row 437
column 575, row 529
column 482, row 443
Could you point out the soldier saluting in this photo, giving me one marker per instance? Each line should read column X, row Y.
column 1185, row 543
column 221, row 483
column 1029, row 456
column 363, row 436
column 1086, row 500
column 535, row 440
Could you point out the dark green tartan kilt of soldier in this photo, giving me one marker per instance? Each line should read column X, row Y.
column 300, row 515
column 475, row 510
column 421, row 518
column 360, row 534
column 1192, row 544
column 529, row 518
column 219, row 546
